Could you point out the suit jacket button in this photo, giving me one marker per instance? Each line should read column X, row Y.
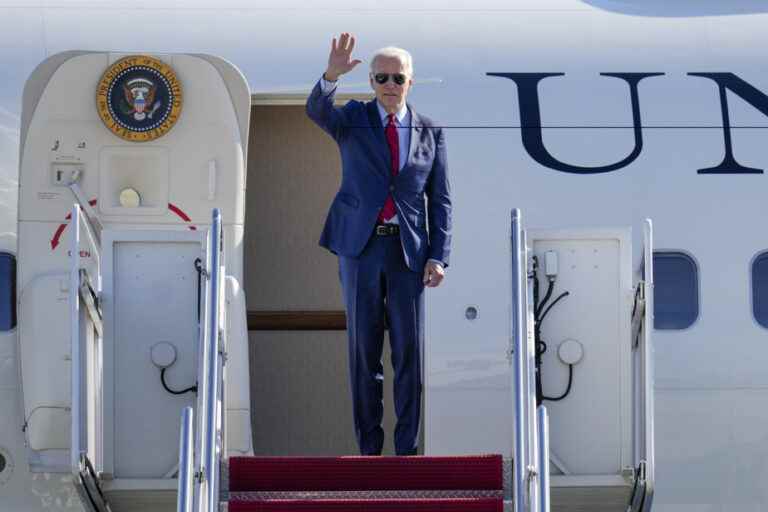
column 391, row 188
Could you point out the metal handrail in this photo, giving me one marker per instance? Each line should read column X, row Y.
column 76, row 349
column 184, row 499
column 648, row 369
column 530, row 383
column 213, row 358
column 84, row 475
column 90, row 230
column 83, row 294
column 543, row 435
column 642, row 377
column 207, row 487
column 80, row 282
column 523, row 462
column 531, row 457
column 90, row 214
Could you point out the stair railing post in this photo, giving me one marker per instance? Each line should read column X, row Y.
column 543, row 435
column 518, row 342
column 210, row 466
column 198, row 476
column 532, row 441
column 76, row 355
column 186, row 475
column 649, row 435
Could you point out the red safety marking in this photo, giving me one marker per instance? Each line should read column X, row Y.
column 178, row 211
column 60, row 230
column 83, row 254
column 57, row 236
column 63, row 226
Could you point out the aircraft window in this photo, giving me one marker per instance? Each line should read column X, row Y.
column 676, row 290
column 760, row 289
column 7, row 291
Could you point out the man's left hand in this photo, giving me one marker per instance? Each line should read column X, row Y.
column 433, row 274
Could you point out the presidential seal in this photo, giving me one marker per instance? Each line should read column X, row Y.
column 139, row 98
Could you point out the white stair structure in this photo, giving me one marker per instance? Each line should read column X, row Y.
column 600, row 419
column 95, row 491
column 573, row 491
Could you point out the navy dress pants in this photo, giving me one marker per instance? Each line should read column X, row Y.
column 375, row 284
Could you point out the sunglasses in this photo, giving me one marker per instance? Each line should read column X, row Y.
column 382, row 78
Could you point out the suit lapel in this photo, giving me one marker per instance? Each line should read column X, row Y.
column 416, row 126
column 381, row 141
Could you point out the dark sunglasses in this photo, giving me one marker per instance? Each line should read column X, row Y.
column 382, row 78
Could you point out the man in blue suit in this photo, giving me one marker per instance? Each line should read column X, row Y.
column 390, row 225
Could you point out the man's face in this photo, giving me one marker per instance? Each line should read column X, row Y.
column 390, row 95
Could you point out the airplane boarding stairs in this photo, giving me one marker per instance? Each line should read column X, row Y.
column 209, row 481
column 471, row 483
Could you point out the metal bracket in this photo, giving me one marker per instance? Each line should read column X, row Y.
column 641, row 471
column 91, row 301
column 638, row 313
column 628, row 474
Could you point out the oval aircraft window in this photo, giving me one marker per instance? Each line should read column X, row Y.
column 7, row 291
column 760, row 288
column 675, row 290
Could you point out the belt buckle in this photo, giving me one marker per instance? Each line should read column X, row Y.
column 386, row 229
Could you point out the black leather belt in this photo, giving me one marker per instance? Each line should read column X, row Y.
column 387, row 229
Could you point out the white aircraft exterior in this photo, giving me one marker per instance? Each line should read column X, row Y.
column 601, row 163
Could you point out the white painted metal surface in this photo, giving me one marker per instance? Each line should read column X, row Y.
column 590, row 430
column 126, row 420
column 158, row 266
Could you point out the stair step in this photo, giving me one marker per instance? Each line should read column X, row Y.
column 480, row 472
column 362, row 495
column 411, row 505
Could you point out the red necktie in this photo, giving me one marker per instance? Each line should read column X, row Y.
column 388, row 210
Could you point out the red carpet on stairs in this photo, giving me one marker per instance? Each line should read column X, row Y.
column 460, row 484
column 482, row 472
column 446, row 505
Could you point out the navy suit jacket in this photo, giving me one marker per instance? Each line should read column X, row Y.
column 425, row 228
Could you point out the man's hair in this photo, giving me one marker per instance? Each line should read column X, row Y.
column 398, row 53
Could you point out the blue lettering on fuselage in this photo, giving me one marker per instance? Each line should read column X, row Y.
column 531, row 129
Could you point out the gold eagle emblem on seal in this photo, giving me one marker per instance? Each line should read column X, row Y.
column 139, row 98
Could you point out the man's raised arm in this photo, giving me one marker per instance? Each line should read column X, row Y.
column 320, row 107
